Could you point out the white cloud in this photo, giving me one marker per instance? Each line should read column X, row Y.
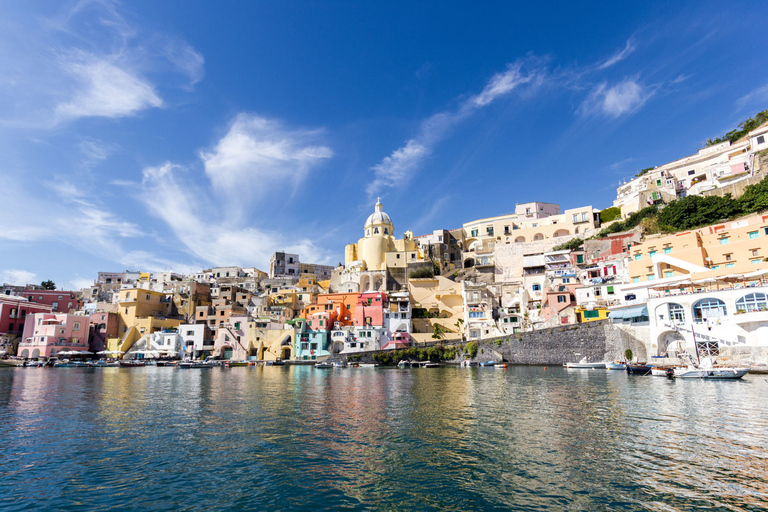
column 17, row 277
column 86, row 60
column 80, row 283
column 622, row 98
column 397, row 168
column 258, row 153
column 757, row 97
column 107, row 91
column 619, row 56
column 206, row 233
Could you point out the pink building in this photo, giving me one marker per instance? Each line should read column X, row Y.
column 13, row 313
column 60, row 301
column 103, row 325
column 47, row 334
column 370, row 309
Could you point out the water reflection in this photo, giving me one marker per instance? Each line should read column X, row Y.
column 524, row 438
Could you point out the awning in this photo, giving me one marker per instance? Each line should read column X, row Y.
column 630, row 312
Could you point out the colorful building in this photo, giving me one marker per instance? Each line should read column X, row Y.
column 48, row 334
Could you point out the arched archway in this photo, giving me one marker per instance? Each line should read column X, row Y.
column 36, row 353
column 538, row 236
column 25, row 353
column 520, row 240
column 561, row 232
column 469, row 263
column 670, row 341
column 378, row 283
column 365, row 283
column 285, row 352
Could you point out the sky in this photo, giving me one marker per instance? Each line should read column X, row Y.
column 183, row 135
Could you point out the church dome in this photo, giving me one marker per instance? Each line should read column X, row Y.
column 378, row 217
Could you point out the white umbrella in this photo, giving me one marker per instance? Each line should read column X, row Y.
column 757, row 273
column 104, row 352
column 85, row 352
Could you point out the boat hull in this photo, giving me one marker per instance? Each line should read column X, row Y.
column 639, row 369
column 712, row 373
column 585, row 366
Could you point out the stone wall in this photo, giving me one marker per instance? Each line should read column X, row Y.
column 597, row 341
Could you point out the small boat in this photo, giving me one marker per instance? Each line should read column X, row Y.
column 9, row 362
column 583, row 364
column 430, row 364
column 167, row 363
column 194, row 364
column 368, row 365
column 500, row 366
column 323, row 364
column 639, row 369
column 616, row 365
column 33, row 364
column 487, row 363
column 132, row 363
column 706, row 370
column 230, row 364
column 339, row 364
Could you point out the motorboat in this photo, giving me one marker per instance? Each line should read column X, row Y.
column 167, row 363
column 430, row 364
column 277, row 362
column 132, row 363
column 639, row 369
column 368, row 365
column 706, row 370
column 616, row 365
column 339, row 364
column 584, row 365
column 487, row 363
column 194, row 364
column 324, row 364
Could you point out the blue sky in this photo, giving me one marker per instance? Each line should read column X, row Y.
column 181, row 135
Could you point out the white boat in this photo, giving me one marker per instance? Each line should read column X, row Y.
column 583, row 364
column 615, row 366
column 706, row 370
column 193, row 364
column 324, row 364
column 368, row 365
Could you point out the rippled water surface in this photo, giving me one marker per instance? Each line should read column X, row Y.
column 288, row 438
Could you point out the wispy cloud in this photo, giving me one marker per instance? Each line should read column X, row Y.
column 619, row 55
column 258, row 154
column 206, row 233
column 622, row 98
column 105, row 90
column 397, row 168
column 17, row 277
column 757, row 96
column 87, row 60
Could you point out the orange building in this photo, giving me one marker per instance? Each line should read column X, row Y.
column 342, row 304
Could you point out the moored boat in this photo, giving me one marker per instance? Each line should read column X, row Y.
column 639, row 369
column 132, row 363
column 706, row 370
column 323, row 364
column 616, row 365
column 193, row 364
column 584, row 365
column 487, row 363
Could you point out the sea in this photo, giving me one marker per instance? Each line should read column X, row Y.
column 448, row 438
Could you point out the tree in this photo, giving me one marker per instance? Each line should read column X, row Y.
column 628, row 355
column 48, row 285
column 437, row 332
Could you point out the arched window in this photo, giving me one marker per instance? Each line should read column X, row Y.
column 708, row 308
column 368, row 233
column 676, row 313
column 386, row 231
column 375, row 231
column 752, row 302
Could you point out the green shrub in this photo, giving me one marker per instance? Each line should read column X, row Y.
column 609, row 214
column 471, row 349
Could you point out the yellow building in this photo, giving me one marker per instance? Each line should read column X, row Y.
column 140, row 312
column 590, row 315
column 370, row 252
column 734, row 247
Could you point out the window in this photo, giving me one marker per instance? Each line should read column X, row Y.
column 754, row 252
column 474, row 232
column 398, row 256
column 668, row 273
column 575, row 218
column 728, row 257
column 652, row 253
column 536, row 287
column 375, row 231
column 55, row 306
column 708, row 308
column 691, row 172
column 76, row 326
column 730, row 265
column 592, row 314
column 715, row 267
column 561, row 298
column 638, row 256
column 584, row 217
column 579, row 258
column 635, row 279
column 386, row 231
column 724, row 240
column 755, row 262
column 60, row 297
column 676, row 313
column 752, row 302
column 761, row 139
column 609, row 290
column 667, row 250
column 753, row 234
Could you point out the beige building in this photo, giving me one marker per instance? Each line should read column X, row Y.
column 531, row 222
column 443, row 301
column 734, row 247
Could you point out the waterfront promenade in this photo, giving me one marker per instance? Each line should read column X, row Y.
column 298, row 438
